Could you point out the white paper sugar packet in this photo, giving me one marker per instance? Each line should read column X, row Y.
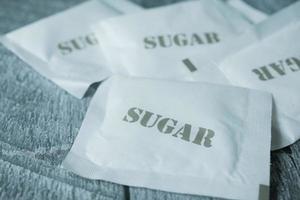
column 149, row 43
column 266, row 58
column 63, row 48
column 184, row 137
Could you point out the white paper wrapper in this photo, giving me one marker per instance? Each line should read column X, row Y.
column 183, row 137
column 63, row 48
column 151, row 43
column 251, row 13
column 265, row 58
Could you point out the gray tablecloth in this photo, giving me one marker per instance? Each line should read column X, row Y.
column 39, row 122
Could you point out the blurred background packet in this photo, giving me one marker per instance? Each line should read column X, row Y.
column 151, row 43
column 64, row 49
column 266, row 58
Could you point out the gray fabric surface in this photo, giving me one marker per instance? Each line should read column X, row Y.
column 39, row 122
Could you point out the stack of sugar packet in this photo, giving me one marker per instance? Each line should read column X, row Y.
column 193, row 95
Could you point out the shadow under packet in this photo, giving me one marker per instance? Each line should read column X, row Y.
column 149, row 43
column 185, row 137
column 265, row 57
column 63, row 48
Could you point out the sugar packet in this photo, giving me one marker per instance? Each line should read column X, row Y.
column 63, row 48
column 183, row 137
column 265, row 58
column 149, row 43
